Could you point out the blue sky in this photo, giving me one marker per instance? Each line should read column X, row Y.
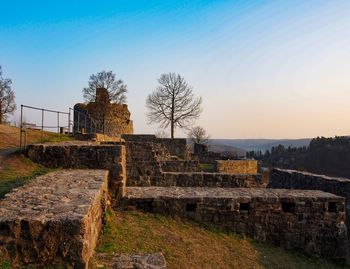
column 277, row 69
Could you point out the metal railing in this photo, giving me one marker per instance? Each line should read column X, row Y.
column 82, row 123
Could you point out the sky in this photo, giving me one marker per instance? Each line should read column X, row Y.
column 265, row 69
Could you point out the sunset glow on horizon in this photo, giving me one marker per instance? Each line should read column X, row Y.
column 265, row 69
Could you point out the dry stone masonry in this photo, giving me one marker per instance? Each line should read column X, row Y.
column 292, row 179
column 113, row 118
column 308, row 220
column 160, row 178
column 204, row 179
column 237, row 166
column 55, row 219
column 84, row 155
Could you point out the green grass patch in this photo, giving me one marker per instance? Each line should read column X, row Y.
column 208, row 167
column 188, row 245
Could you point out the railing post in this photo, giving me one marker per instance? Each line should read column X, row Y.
column 58, row 122
column 42, row 125
column 21, row 128
column 69, row 121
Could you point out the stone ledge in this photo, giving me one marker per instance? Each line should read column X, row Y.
column 55, row 219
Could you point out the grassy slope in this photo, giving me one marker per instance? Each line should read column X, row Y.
column 17, row 170
column 9, row 136
column 188, row 245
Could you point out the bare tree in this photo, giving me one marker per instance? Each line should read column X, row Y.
column 116, row 88
column 198, row 135
column 7, row 98
column 173, row 103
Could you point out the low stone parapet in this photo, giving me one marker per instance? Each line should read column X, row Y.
column 293, row 179
column 55, row 219
column 205, row 179
column 84, row 154
column 309, row 220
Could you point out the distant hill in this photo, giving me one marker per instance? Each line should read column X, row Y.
column 258, row 144
column 225, row 148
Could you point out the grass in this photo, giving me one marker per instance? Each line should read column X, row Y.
column 9, row 136
column 208, row 167
column 189, row 245
column 17, row 170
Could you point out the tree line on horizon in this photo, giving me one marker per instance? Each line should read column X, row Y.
column 329, row 156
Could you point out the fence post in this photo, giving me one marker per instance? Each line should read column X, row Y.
column 21, row 128
column 69, row 121
column 42, row 125
column 58, row 122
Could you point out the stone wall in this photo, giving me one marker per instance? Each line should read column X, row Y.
column 54, row 220
column 146, row 161
column 202, row 179
column 292, row 179
column 309, row 220
column 176, row 147
column 180, row 166
column 84, row 155
column 237, row 166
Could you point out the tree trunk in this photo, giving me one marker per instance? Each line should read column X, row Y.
column 172, row 116
column 0, row 113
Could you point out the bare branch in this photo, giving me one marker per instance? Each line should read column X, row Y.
column 173, row 103
column 116, row 88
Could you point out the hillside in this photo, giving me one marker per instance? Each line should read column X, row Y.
column 9, row 136
column 260, row 144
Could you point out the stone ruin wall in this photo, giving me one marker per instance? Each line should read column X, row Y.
column 124, row 159
column 312, row 221
column 176, row 147
column 85, row 155
column 204, row 179
column 111, row 119
column 237, row 166
column 55, row 220
column 292, row 179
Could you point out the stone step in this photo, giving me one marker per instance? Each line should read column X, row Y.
column 55, row 219
column 294, row 219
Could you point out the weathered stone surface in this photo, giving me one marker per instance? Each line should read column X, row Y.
column 144, row 261
column 292, row 179
column 237, row 166
column 79, row 154
column 176, row 147
column 146, row 161
column 55, row 219
column 294, row 219
column 203, row 179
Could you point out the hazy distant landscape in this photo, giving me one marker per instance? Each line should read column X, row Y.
column 244, row 145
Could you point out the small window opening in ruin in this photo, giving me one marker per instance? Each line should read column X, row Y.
column 191, row 207
column 243, row 207
column 288, row 207
column 333, row 207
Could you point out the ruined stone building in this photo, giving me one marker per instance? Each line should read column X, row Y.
column 102, row 116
